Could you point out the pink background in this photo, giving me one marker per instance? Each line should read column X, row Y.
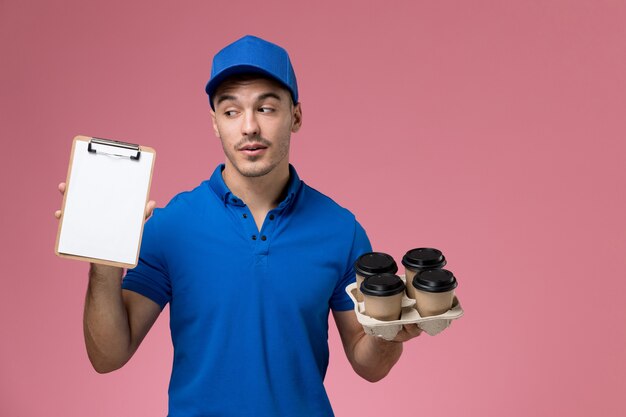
column 510, row 113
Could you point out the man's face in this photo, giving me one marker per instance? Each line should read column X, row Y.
column 254, row 119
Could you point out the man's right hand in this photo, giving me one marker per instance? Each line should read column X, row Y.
column 61, row 188
column 115, row 321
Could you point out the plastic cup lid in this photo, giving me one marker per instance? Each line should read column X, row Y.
column 373, row 263
column 382, row 285
column 435, row 280
column 424, row 258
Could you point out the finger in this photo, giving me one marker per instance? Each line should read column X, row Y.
column 61, row 187
column 150, row 208
column 412, row 329
column 408, row 332
column 57, row 214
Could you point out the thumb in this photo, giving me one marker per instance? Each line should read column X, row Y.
column 150, row 208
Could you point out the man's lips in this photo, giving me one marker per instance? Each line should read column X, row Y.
column 253, row 149
column 252, row 146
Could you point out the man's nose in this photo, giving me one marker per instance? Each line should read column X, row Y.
column 250, row 125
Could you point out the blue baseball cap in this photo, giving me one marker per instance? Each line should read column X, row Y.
column 252, row 55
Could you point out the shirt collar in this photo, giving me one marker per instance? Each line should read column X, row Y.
column 219, row 187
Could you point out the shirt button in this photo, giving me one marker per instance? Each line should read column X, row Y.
column 271, row 217
column 245, row 216
column 253, row 237
column 263, row 238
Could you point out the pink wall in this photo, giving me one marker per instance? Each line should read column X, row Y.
column 511, row 113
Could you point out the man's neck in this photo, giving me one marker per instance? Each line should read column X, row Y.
column 259, row 193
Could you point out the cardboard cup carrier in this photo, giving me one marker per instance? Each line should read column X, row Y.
column 434, row 291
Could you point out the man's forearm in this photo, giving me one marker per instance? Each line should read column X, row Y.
column 105, row 320
column 374, row 357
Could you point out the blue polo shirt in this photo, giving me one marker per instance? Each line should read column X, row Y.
column 249, row 308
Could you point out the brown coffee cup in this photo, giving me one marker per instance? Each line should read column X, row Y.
column 370, row 264
column 420, row 259
column 382, row 295
column 434, row 291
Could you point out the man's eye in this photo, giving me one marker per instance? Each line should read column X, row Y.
column 266, row 109
column 230, row 113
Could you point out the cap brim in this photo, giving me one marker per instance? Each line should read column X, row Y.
column 216, row 80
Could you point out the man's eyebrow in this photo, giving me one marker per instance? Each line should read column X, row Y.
column 269, row 95
column 225, row 97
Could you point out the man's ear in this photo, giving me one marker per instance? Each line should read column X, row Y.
column 214, row 122
column 297, row 118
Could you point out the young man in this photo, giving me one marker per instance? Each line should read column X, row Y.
column 251, row 262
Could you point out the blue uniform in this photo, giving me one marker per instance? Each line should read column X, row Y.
column 248, row 308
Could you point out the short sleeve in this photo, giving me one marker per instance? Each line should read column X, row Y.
column 340, row 300
column 150, row 277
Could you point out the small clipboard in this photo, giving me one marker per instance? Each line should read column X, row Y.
column 107, row 189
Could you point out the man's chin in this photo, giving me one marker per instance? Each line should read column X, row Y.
column 254, row 170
